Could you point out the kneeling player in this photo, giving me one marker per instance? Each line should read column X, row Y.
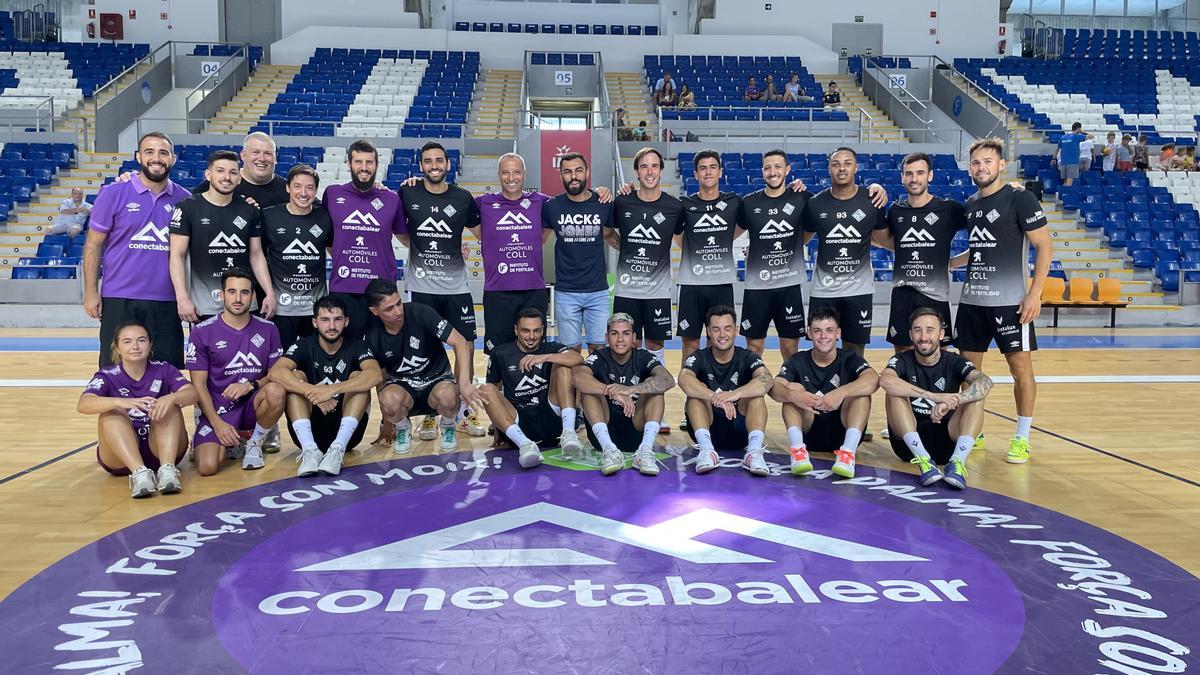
column 622, row 392
column 725, row 387
column 826, row 397
column 934, row 396
column 228, row 357
column 140, row 427
column 408, row 345
column 528, row 383
column 329, row 382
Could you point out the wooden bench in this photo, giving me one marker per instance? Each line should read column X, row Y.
column 1108, row 296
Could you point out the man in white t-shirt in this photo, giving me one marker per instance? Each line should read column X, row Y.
column 72, row 214
column 1086, row 148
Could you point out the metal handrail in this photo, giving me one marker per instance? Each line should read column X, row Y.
column 517, row 123
column 606, row 104
column 43, row 101
column 986, row 94
column 243, row 50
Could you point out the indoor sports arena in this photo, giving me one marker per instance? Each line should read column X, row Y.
column 601, row 336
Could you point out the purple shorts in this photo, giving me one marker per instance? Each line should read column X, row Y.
column 240, row 415
column 148, row 458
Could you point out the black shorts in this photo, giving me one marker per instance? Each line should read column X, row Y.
column 500, row 309
column 420, row 396
column 291, row 328
column 827, row 432
column 726, row 434
column 694, row 303
column 783, row 306
column 976, row 327
column 855, row 313
column 325, row 428
column 653, row 313
column 621, row 430
column 359, row 312
column 457, row 308
column 935, row 438
column 160, row 316
column 905, row 301
column 541, row 425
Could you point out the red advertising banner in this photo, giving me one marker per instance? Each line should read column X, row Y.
column 555, row 144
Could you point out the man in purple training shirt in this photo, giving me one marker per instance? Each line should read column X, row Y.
column 365, row 219
column 128, row 231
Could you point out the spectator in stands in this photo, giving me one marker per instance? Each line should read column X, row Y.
column 792, row 91
column 1187, row 160
column 1087, row 148
column 833, row 97
column 624, row 132
column 1068, row 154
column 1141, row 153
column 1109, row 152
column 668, row 97
column 1166, row 157
column 72, row 214
column 663, row 84
column 1125, row 152
column 641, row 133
column 752, row 92
column 772, row 92
column 687, row 98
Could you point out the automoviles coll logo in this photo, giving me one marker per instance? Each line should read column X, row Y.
column 303, row 575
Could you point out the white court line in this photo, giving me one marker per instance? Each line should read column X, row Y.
column 998, row 379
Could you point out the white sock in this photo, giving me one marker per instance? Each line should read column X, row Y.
column 795, row 437
column 446, row 423
column 1023, row 426
column 649, row 434
column 755, row 441
column 600, row 429
column 259, row 432
column 568, row 419
column 303, row 429
column 515, row 434
column 853, row 436
column 962, row 449
column 913, row 440
column 346, row 430
column 703, row 438
column 402, row 424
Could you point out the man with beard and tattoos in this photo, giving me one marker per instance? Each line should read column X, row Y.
column 129, row 231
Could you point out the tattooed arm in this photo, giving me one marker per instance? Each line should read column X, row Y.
column 976, row 387
column 659, row 382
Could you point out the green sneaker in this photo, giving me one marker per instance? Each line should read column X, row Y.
column 1018, row 450
column 449, row 439
column 956, row 474
column 930, row 474
column 980, row 444
column 402, row 444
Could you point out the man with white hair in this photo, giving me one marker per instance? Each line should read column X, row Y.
column 72, row 214
column 259, row 183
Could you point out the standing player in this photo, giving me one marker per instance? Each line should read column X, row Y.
column 581, row 222
column 528, row 392
column 137, row 401
column 296, row 236
column 933, row 397
column 228, row 357
column 365, row 218
column 328, row 382
column 622, row 388
column 407, row 342
column 920, row 230
column 436, row 271
column 826, row 397
column 213, row 232
column 996, row 304
column 258, row 184
column 843, row 218
column 725, row 387
column 129, row 230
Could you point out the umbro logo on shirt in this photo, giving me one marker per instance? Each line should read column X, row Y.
column 912, row 235
column 133, row 207
column 302, row 247
column 513, row 218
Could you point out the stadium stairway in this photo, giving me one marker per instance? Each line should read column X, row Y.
column 243, row 110
column 884, row 130
column 497, row 100
column 628, row 91
column 84, row 117
column 1022, row 132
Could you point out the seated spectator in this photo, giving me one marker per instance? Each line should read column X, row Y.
column 1141, row 153
column 621, row 122
column 792, row 91
column 687, row 98
column 641, row 133
column 833, row 97
column 1125, row 153
column 72, row 214
column 772, row 93
column 668, row 97
column 1166, row 157
column 752, row 92
column 662, row 83
column 1187, row 160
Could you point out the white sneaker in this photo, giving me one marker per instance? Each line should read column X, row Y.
column 310, row 460
column 612, row 460
column 271, row 443
column 168, row 479
column 844, row 466
column 707, row 460
column 470, row 424
column 253, row 458
column 428, row 429
column 529, row 455
column 141, row 483
column 755, row 463
column 885, row 434
column 402, row 443
column 332, row 462
column 449, row 439
column 645, row 461
column 569, row 443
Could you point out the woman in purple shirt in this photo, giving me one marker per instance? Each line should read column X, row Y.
column 138, row 403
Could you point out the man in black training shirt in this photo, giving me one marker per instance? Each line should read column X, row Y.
column 621, row 388
column 296, row 236
column 259, row 183
column 329, row 382
column 826, row 397
column 529, row 394
column 726, row 388
column 213, row 232
column 996, row 304
column 933, row 398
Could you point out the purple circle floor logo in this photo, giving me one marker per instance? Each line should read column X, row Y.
column 467, row 563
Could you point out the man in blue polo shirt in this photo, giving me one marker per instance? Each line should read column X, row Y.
column 1068, row 153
